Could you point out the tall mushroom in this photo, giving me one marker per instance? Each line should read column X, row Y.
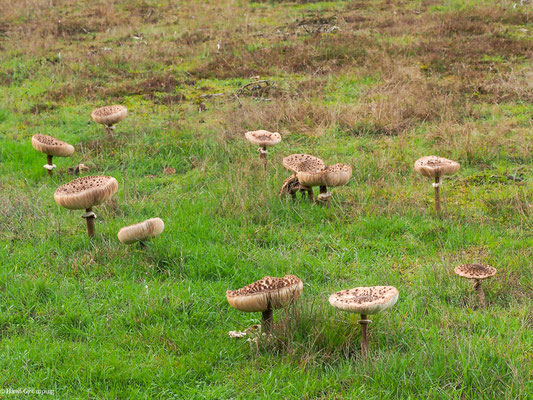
column 109, row 116
column 263, row 139
column 333, row 175
column 51, row 147
column 300, row 163
column 436, row 167
column 85, row 193
column 266, row 295
column 141, row 232
column 365, row 301
column 477, row 272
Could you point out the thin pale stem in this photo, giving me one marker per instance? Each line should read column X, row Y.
column 480, row 293
column 267, row 319
column 49, row 162
column 437, row 194
column 364, row 338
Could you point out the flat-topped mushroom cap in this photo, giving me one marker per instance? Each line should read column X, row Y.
column 51, row 146
column 333, row 175
column 109, row 115
column 303, row 162
column 434, row 166
column 142, row 231
column 263, row 138
column 475, row 271
column 257, row 296
column 85, row 192
column 365, row 300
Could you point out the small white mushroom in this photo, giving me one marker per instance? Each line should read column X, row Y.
column 141, row 232
column 109, row 116
column 85, row 193
column 263, row 139
column 51, row 147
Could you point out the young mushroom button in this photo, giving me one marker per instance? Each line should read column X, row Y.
column 51, row 147
column 477, row 272
column 300, row 163
column 263, row 139
column 365, row 301
column 141, row 232
column 436, row 167
column 109, row 116
column 86, row 193
column 265, row 295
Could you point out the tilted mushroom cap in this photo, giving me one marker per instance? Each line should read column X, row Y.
column 51, row 146
column 263, row 138
column 257, row 296
column 109, row 115
column 85, row 192
column 334, row 175
column 475, row 271
column 142, row 231
column 303, row 162
column 434, row 166
column 365, row 300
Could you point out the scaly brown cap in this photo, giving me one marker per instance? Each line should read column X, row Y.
column 269, row 291
column 85, row 192
column 303, row 162
column 433, row 166
column 365, row 300
column 142, row 231
column 109, row 115
column 51, row 146
column 475, row 271
column 334, row 175
column 263, row 138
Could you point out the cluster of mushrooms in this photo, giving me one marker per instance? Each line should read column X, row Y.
column 269, row 293
column 87, row 192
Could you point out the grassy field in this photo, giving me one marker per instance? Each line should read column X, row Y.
column 375, row 84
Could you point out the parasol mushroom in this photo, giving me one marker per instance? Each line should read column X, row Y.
column 142, row 231
column 300, row 163
column 436, row 167
column 263, row 139
column 477, row 272
column 51, row 147
column 265, row 295
column 365, row 301
column 85, row 193
column 109, row 116
column 333, row 175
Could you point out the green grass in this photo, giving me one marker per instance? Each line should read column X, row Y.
column 92, row 318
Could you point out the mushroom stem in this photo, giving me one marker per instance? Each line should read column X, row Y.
column 263, row 155
column 109, row 129
column 436, row 185
column 267, row 319
column 364, row 338
column 480, row 292
column 50, row 163
column 90, row 217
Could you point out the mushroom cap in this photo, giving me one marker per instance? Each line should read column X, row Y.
column 365, row 300
column 142, row 231
column 51, row 146
column 333, row 175
column 303, row 162
column 263, row 138
column 475, row 271
column 85, row 192
column 257, row 296
column 435, row 167
column 109, row 115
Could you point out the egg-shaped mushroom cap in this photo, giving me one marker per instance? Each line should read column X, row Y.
column 475, row 271
column 365, row 300
column 51, row 146
column 435, row 167
column 257, row 296
column 333, row 175
column 85, row 192
column 109, row 115
column 142, row 231
column 263, row 138
column 303, row 162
